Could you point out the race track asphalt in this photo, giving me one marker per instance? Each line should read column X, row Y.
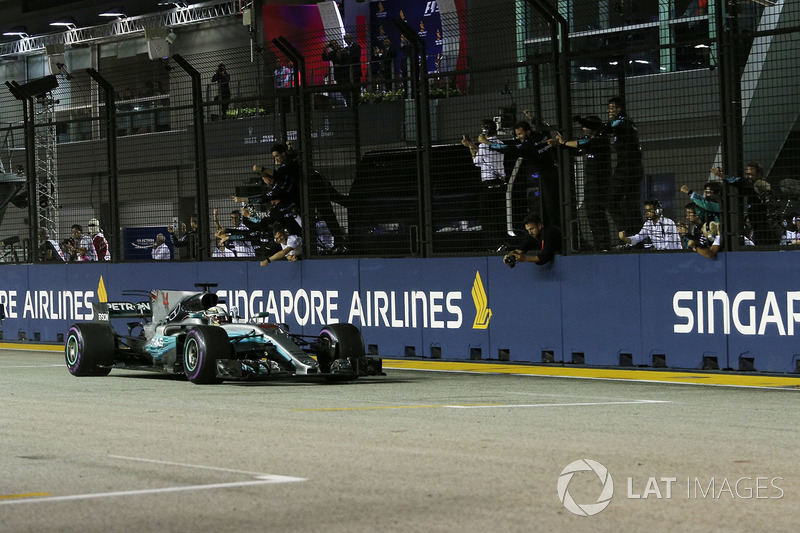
column 428, row 447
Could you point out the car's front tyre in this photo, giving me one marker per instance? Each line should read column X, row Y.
column 201, row 348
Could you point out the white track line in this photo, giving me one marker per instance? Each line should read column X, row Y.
column 261, row 479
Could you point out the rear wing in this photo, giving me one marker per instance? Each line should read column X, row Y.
column 105, row 311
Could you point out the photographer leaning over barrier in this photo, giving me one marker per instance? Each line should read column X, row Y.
column 543, row 242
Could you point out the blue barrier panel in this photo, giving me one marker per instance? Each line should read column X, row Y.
column 274, row 289
column 740, row 309
column 74, row 286
column 328, row 287
column 393, row 291
column 14, row 296
column 601, row 308
column 763, row 296
column 461, row 327
column 670, row 281
column 527, row 307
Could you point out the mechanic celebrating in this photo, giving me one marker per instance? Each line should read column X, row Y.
column 291, row 246
column 282, row 197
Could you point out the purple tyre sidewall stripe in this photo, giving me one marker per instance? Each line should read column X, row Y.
column 75, row 332
column 193, row 337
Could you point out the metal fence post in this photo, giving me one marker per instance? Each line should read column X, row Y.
column 730, row 116
column 30, row 161
column 419, row 88
column 115, row 241
column 303, row 133
column 559, row 35
column 201, row 167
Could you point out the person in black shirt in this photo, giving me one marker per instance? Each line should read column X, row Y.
column 544, row 243
column 190, row 240
column 538, row 170
column 223, row 81
column 754, row 202
column 597, row 174
column 282, row 181
column 629, row 171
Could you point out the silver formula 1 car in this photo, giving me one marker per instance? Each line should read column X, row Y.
column 192, row 333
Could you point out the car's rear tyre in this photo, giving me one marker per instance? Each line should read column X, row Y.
column 341, row 341
column 89, row 349
column 201, row 348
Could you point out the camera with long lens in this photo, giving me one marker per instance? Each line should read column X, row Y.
column 510, row 260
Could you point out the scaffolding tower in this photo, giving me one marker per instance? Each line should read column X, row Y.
column 46, row 164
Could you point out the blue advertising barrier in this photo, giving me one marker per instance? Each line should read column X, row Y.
column 678, row 310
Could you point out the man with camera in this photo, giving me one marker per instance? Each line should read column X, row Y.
column 223, row 80
column 543, row 243
column 80, row 247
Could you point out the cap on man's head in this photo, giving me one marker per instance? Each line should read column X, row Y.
column 93, row 222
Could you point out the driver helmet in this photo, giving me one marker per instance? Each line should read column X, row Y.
column 217, row 316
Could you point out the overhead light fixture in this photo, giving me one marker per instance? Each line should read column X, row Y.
column 18, row 31
column 66, row 22
column 171, row 36
column 157, row 41
column 116, row 12
column 178, row 4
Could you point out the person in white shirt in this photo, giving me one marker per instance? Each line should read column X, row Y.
column 661, row 231
column 493, row 177
column 291, row 246
column 489, row 161
column 99, row 241
column 220, row 250
column 81, row 248
column 791, row 237
column 161, row 251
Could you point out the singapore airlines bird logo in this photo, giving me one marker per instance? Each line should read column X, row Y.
column 482, row 312
column 102, row 295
